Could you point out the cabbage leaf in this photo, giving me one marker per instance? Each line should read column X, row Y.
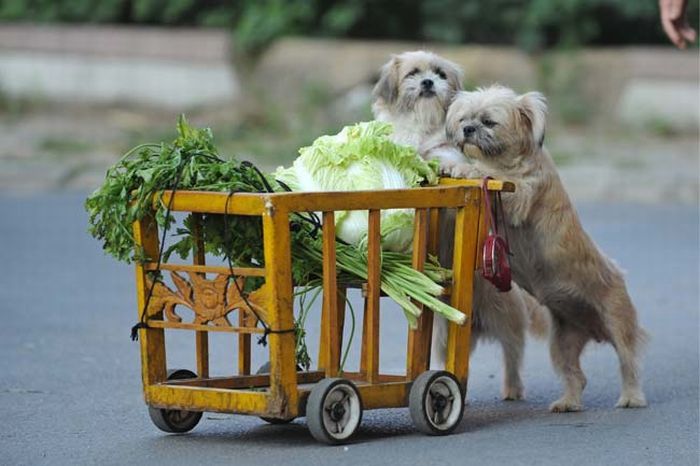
column 362, row 157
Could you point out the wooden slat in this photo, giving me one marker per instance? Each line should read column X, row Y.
column 201, row 337
column 218, row 269
column 464, row 264
column 379, row 395
column 283, row 384
column 418, row 352
column 483, row 232
column 202, row 328
column 420, row 236
column 384, row 395
column 215, row 203
column 198, row 254
column 244, row 381
column 369, row 200
column 449, row 194
column 434, row 231
column 243, row 345
column 153, row 359
column 330, row 344
column 494, row 185
column 452, row 193
column 369, row 361
column 323, row 343
column 202, row 352
column 324, row 349
column 209, row 399
column 342, row 296
column 359, row 377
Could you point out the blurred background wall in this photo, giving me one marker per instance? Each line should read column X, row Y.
column 82, row 80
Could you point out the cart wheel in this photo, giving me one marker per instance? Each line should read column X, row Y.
column 265, row 369
column 436, row 403
column 333, row 411
column 175, row 421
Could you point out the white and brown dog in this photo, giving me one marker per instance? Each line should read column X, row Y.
column 554, row 259
column 413, row 93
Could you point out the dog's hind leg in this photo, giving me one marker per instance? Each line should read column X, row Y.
column 566, row 346
column 513, row 348
column 438, row 349
column 504, row 316
column 626, row 336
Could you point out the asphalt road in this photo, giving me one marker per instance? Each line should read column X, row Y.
column 70, row 388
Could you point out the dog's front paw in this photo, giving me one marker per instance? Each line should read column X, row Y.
column 464, row 170
column 633, row 399
column 566, row 405
column 446, row 169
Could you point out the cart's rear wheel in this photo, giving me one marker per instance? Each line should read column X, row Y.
column 175, row 421
column 265, row 369
column 436, row 403
column 333, row 411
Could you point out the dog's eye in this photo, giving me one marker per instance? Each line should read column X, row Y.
column 441, row 73
column 488, row 123
column 413, row 72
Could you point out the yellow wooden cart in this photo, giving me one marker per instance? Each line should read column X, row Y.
column 331, row 401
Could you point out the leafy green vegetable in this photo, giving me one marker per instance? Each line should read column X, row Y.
column 362, row 157
column 192, row 162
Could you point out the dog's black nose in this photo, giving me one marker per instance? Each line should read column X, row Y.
column 426, row 84
column 469, row 130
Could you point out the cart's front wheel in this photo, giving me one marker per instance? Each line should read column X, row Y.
column 436, row 403
column 265, row 369
column 333, row 411
column 175, row 421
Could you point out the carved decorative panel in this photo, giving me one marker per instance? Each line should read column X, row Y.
column 210, row 300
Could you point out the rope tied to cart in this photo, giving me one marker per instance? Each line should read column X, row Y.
column 312, row 219
column 142, row 321
column 267, row 330
column 262, row 340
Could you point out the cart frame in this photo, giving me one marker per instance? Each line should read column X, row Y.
column 285, row 389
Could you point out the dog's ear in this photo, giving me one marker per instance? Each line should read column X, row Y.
column 454, row 73
column 387, row 88
column 450, row 132
column 533, row 110
column 451, row 120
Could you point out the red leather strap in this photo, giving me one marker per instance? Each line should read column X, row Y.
column 492, row 212
column 487, row 200
column 496, row 266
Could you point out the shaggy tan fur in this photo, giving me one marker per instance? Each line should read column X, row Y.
column 418, row 118
column 554, row 259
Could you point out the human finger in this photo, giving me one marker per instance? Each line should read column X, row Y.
column 688, row 33
column 672, row 32
column 675, row 8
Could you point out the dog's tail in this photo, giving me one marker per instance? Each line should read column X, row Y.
column 538, row 317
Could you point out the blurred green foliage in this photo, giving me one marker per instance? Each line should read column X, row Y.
column 532, row 24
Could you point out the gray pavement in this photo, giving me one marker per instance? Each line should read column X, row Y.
column 70, row 384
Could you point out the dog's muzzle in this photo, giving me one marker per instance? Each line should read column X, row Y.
column 427, row 88
column 469, row 131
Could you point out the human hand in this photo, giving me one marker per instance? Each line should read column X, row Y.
column 675, row 22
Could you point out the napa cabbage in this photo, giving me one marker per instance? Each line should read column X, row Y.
column 362, row 157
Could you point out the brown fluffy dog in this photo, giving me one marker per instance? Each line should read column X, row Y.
column 554, row 259
column 413, row 93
